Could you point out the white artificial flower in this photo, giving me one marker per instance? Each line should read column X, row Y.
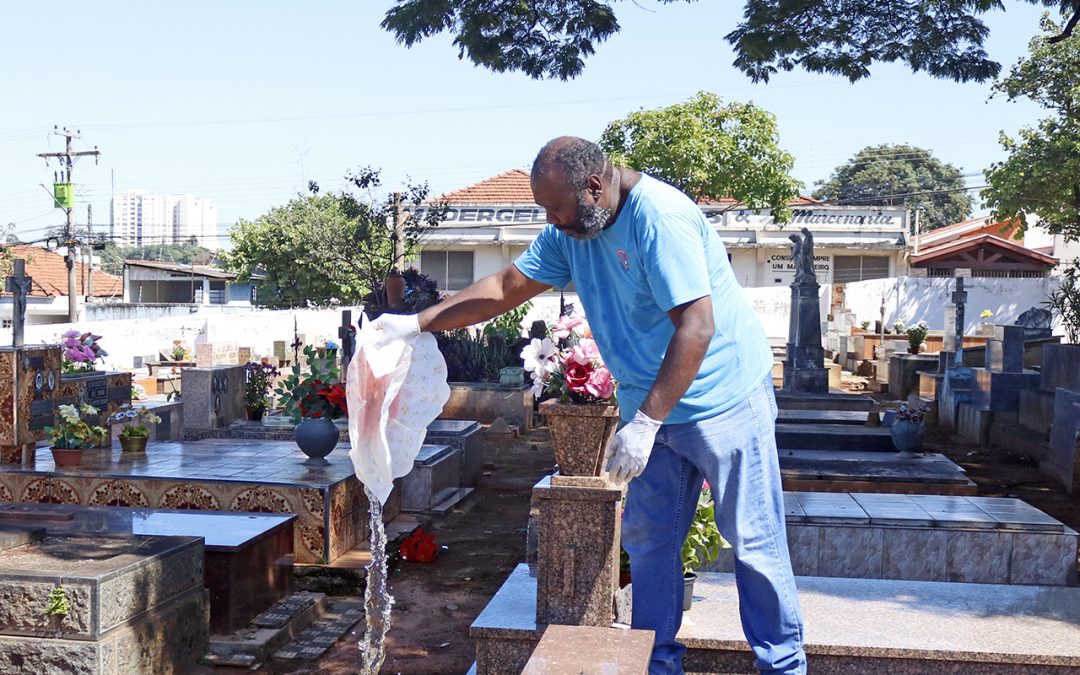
column 537, row 356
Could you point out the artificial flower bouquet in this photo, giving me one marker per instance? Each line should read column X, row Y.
column 258, row 381
column 912, row 413
column 567, row 365
column 315, row 393
column 136, row 421
column 916, row 334
column 80, row 351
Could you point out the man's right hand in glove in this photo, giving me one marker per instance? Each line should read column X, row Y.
column 392, row 327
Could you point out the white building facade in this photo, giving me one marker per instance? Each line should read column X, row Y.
column 140, row 218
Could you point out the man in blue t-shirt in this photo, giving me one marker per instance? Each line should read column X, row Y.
column 695, row 390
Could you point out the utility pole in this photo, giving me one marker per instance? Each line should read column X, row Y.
column 90, row 249
column 398, row 235
column 64, row 197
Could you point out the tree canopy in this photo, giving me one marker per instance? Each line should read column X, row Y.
column 1041, row 174
column 708, row 149
column 113, row 256
column 552, row 38
column 900, row 175
column 327, row 247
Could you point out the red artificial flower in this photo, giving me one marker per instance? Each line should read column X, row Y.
column 576, row 376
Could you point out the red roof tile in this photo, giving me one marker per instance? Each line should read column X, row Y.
column 509, row 187
column 50, row 275
column 513, row 187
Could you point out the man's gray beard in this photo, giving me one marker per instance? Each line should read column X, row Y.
column 591, row 221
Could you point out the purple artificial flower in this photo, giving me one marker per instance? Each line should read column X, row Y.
column 71, row 335
column 73, row 354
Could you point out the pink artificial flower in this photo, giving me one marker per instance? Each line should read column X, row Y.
column 585, row 351
column 565, row 326
column 600, row 383
column 71, row 335
column 89, row 353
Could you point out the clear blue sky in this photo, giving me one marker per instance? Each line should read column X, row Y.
column 242, row 102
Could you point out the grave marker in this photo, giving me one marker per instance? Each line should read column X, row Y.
column 18, row 284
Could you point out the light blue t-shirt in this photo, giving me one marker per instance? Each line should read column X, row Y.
column 658, row 254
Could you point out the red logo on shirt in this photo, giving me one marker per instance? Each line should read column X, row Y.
column 624, row 259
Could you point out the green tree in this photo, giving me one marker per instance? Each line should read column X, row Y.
column 708, row 149
column 1041, row 174
column 900, row 175
column 329, row 247
column 113, row 256
column 552, row 38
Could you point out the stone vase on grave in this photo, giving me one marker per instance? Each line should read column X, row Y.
column 579, row 434
column 907, row 436
column 133, row 443
column 316, row 437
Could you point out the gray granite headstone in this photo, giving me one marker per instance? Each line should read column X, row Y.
column 1005, row 351
column 1063, row 458
column 1036, row 322
column 1060, row 367
column 213, row 397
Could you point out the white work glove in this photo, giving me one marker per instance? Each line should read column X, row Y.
column 628, row 453
column 392, row 327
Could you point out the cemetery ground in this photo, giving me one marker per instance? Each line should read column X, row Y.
column 435, row 603
column 485, row 538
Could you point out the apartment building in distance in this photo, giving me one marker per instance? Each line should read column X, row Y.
column 140, row 218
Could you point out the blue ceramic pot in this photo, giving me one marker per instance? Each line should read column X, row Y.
column 316, row 437
column 907, row 436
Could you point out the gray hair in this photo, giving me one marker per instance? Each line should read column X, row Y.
column 574, row 158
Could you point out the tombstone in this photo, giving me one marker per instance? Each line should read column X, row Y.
column 1005, row 350
column 804, row 368
column 999, row 383
column 347, row 339
column 282, row 355
column 243, row 355
column 29, row 380
column 213, row 398
column 1036, row 322
column 1063, row 458
column 216, row 354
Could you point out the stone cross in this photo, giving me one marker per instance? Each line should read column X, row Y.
column 347, row 335
column 18, row 284
column 959, row 297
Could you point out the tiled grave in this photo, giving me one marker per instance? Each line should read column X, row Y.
column 925, row 537
column 248, row 556
column 884, row 627
column 213, row 475
column 136, row 604
column 847, row 471
column 313, row 641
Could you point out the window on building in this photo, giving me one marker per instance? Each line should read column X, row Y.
column 848, row 268
column 7, row 323
column 451, row 270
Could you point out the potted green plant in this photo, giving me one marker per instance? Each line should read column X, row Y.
column 703, row 543
column 71, row 435
column 907, row 428
column 314, row 399
column 258, row 380
column 136, row 431
column 916, row 335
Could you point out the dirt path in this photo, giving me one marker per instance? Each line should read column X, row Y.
column 435, row 603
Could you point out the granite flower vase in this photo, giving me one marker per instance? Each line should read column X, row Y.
column 907, row 436
column 580, row 433
column 316, row 437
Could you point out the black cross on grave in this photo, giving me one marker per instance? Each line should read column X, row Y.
column 296, row 344
column 18, row 284
column 347, row 334
column 959, row 297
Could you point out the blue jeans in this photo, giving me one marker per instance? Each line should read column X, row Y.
column 736, row 452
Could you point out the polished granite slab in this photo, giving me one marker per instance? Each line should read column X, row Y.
column 591, row 650
column 935, row 623
column 452, row 426
column 933, row 471
column 220, row 530
column 214, row 459
column 846, row 417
